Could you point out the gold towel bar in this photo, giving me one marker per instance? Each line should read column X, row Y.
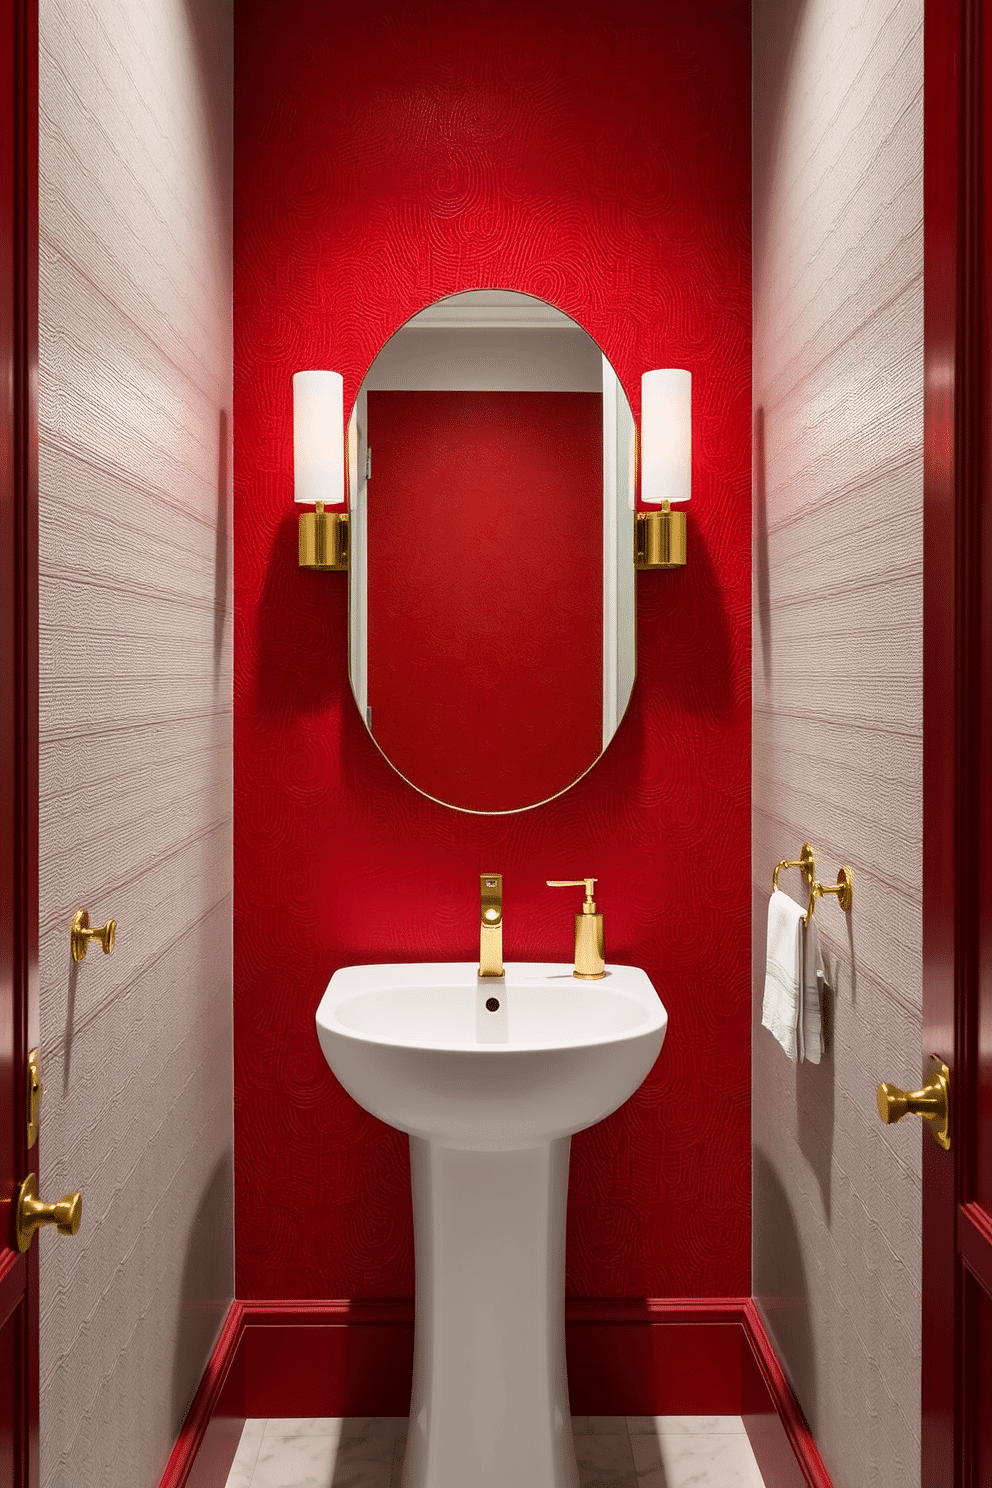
column 843, row 888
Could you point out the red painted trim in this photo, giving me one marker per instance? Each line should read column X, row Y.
column 19, row 712
column 13, row 1282
column 274, row 1312
column 954, row 744
column 627, row 1356
column 283, row 1312
column 654, row 1309
column 806, row 1455
column 975, row 1243
column 715, row 1347
column 206, row 1402
column 642, row 1356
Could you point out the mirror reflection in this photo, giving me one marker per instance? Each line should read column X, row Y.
column 491, row 455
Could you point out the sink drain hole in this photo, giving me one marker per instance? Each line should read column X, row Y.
column 492, row 1004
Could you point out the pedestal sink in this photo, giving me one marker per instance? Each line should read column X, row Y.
column 490, row 1078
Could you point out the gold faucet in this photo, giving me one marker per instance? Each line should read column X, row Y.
column 491, row 928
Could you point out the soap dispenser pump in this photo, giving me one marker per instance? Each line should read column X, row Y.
column 590, row 965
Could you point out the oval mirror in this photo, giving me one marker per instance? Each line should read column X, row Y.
column 491, row 455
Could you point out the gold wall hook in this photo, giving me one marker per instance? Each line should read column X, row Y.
column 33, row 1212
column 81, row 935
column 843, row 888
column 806, row 862
column 933, row 1102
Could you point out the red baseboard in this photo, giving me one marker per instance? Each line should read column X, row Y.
column 783, row 1444
column 626, row 1356
column 209, row 1436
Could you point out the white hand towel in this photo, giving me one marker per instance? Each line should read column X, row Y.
column 781, row 1011
column 811, row 1024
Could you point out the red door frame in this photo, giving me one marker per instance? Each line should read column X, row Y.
column 957, row 1235
column 18, row 721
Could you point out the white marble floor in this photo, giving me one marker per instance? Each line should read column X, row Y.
column 612, row 1451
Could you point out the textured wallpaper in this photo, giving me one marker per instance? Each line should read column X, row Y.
column 597, row 156
column 837, row 743
column 135, row 780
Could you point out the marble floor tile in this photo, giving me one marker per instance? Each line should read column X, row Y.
column 612, row 1452
column 244, row 1458
column 364, row 1462
column 286, row 1426
column 605, row 1461
column 695, row 1460
column 296, row 1462
column 367, row 1428
column 684, row 1425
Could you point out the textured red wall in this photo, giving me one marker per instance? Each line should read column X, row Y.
column 481, row 490
column 597, row 155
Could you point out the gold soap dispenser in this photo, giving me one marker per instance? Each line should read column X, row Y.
column 589, row 960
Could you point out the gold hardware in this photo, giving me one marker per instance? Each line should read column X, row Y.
column 491, row 928
column 933, row 1102
column 590, row 964
column 659, row 538
column 805, row 861
column 32, row 1213
column 324, row 540
column 81, row 935
column 35, row 1091
column 843, row 888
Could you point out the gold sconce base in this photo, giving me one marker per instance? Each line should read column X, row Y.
column 324, row 539
column 659, row 538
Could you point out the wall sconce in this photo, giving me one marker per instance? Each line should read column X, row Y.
column 318, row 466
column 666, row 467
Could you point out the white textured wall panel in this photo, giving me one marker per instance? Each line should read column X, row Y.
column 135, row 769
column 838, row 389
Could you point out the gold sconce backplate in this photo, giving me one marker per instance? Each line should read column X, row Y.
column 659, row 538
column 324, row 539
column 81, row 935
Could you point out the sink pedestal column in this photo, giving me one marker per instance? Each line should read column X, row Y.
column 490, row 1393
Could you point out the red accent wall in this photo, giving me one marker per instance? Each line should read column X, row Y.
column 485, row 581
column 598, row 156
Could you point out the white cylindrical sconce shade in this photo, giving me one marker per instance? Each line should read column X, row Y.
column 666, row 435
column 318, row 437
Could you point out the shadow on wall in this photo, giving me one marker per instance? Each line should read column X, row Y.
column 815, row 1084
column 210, row 23
column 776, row 25
column 696, row 675
column 222, row 547
column 206, row 1285
column 762, row 583
column 780, row 1288
column 302, row 632
column 815, row 1106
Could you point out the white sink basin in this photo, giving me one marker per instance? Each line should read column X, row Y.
column 490, row 1097
column 417, row 1046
